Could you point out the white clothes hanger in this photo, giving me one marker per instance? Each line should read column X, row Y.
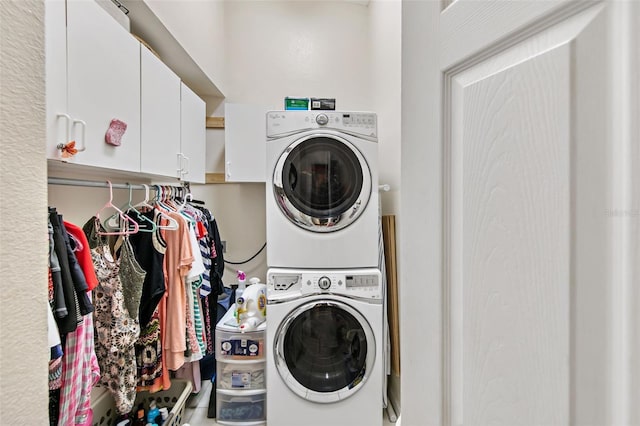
column 172, row 223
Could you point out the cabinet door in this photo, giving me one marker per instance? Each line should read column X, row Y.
column 56, row 72
column 103, row 84
column 244, row 143
column 160, row 117
column 193, row 135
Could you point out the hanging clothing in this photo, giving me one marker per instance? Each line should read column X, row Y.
column 83, row 254
column 196, row 311
column 77, row 275
column 116, row 330
column 193, row 352
column 163, row 382
column 149, row 249
column 132, row 277
column 149, row 353
column 55, row 349
column 80, row 372
column 215, row 247
column 193, row 281
column 68, row 322
column 191, row 371
column 217, row 258
column 178, row 258
column 56, row 290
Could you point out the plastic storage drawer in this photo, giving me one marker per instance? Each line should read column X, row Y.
column 240, row 407
column 237, row 375
column 239, row 346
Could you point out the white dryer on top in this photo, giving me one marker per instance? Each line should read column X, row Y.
column 322, row 189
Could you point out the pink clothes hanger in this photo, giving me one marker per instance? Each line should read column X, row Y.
column 125, row 220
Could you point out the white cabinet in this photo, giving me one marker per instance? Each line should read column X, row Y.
column 245, row 143
column 193, row 136
column 97, row 72
column 95, row 78
column 160, row 117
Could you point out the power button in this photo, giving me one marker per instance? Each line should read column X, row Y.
column 324, row 283
column 322, row 119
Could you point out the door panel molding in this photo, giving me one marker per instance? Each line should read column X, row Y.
column 495, row 26
column 545, row 52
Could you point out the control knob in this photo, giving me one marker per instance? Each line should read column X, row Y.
column 322, row 119
column 324, row 283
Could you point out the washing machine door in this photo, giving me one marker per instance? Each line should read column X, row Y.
column 324, row 351
column 322, row 182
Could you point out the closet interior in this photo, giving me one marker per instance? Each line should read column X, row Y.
column 133, row 291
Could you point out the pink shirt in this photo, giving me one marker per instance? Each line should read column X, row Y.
column 178, row 259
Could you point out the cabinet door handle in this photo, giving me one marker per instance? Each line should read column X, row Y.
column 185, row 170
column 179, row 170
column 228, row 169
column 67, row 135
column 84, row 133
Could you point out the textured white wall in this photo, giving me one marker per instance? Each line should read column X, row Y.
column 385, row 29
column 199, row 27
column 385, row 39
column 24, row 352
column 298, row 48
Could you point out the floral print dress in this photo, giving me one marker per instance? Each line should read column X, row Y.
column 116, row 331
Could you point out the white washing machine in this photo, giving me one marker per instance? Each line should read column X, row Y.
column 324, row 347
column 322, row 189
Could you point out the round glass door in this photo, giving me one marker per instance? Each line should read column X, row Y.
column 325, row 351
column 322, row 183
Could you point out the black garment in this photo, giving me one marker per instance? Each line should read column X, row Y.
column 151, row 260
column 54, row 407
column 217, row 263
column 68, row 323
column 58, row 304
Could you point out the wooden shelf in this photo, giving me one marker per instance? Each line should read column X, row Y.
column 215, row 178
column 215, row 122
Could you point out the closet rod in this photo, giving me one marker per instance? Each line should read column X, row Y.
column 92, row 183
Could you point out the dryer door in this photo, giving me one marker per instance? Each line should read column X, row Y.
column 324, row 351
column 322, row 183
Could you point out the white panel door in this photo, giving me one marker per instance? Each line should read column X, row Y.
column 519, row 145
column 160, row 117
column 103, row 84
column 193, row 136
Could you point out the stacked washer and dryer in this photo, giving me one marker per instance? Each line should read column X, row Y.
column 324, row 288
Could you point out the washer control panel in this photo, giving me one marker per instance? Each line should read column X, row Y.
column 283, row 123
column 360, row 283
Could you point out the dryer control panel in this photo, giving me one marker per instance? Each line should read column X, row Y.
column 285, row 284
column 283, row 123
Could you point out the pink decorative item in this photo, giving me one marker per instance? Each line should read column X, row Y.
column 114, row 132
